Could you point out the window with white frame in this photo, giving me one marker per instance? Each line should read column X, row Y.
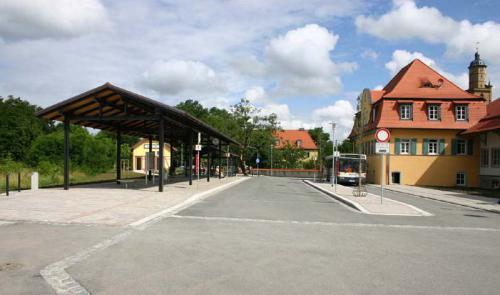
column 460, row 178
column 485, row 157
column 298, row 143
column 404, row 146
column 433, row 147
column 405, row 111
column 461, row 112
column 495, row 157
column 461, row 147
column 434, row 112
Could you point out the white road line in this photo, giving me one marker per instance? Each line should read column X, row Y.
column 55, row 274
column 6, row 222
column 324, row 223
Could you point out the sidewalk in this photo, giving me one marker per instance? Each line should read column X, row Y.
column 457, row 198
column 106, row 203
column 371, row 203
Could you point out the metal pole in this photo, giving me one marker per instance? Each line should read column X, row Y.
column 190, row 161
column 220, row 160
column 19, row 181
column 336, row 166
column 333, row 176
column 208, row 160
column 381, row 177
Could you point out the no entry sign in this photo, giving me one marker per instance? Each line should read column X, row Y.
column 382, row 135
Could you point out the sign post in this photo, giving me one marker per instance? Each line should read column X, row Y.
column 382, row 148
column 257, row 161
column 197, row 148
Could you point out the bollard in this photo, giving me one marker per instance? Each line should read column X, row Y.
column 7, row 184
column 19, row 181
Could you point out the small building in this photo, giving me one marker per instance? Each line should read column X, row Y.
column 426, row 114
column 297, row 138
column 488, row 132
column 139, row 151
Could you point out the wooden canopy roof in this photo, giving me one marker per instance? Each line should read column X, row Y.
column 112, row 108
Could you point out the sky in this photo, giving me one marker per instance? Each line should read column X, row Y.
column 306, row 61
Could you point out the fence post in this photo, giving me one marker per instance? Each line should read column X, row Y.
column 7, row 184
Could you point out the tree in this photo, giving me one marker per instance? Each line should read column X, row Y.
column 290, row 156
column 255, row 132
column 19, row 127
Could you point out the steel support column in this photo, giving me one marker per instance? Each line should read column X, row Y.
column 66, row 153
column 118, row 155
column 208, row 161
column 161, row 135
column 220, row 160
column 190, row 157
column 150, row 175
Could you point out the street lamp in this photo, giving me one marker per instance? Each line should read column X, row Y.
column 333, row 156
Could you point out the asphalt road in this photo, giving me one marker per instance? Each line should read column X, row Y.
column 279, row 236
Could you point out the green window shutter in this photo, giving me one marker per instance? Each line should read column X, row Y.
column 425, row 146
column 411, row 111
column 439, row 112
column 397, row 146
column 470, row 147
column 441, row 147
column 453, row 146
column 413, row 146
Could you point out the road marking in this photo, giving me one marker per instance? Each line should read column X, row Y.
column 338, row 224
column 58, row 278
column 6, row 222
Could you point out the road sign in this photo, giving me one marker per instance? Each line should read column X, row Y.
column 257, row 160
column 336, row 154
column 215, row 141
column 197, row 147
column 382, row 147
column 382, row 135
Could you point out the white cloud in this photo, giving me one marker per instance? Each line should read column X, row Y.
column 369, row 53
column 174, row 77
column 378, row 87
column 22, row 19
column 406, row 21
column 341, row 112
column 401, row 58
column 256, row 94
column 300, row 62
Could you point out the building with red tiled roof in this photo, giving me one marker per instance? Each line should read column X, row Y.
column 297, row 138
column 488, row 132
column 426, row 114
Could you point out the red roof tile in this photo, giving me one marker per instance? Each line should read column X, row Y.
column 292, row 136
column 376, row 95
column 418, row 80
column 490, row 122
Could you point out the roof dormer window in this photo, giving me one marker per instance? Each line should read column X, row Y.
column 298, row 143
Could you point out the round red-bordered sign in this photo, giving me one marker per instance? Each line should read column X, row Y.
column 382, row 135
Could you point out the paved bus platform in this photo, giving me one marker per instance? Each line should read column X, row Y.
column 104, row 203
column 369, row 204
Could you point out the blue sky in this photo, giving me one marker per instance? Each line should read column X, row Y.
column 304, row 60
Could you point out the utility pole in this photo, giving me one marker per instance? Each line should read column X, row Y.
column 271, row 160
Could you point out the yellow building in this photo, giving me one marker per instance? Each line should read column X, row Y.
column 426, row 114
column 299, row 139
column 139, row 151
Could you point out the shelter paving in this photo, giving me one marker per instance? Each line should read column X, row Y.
column 107, row 203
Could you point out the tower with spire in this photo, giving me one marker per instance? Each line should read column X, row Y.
column 477, row 78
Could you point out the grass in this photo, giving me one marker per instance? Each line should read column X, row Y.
column 76, row 177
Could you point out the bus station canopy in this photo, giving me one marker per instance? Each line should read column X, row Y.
column 115, row 109
column 112, row 108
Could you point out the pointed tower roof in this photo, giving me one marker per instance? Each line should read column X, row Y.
column 418, row 80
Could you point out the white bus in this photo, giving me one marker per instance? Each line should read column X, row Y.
column 347, row 168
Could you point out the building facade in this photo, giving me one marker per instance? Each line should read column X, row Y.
column 299, row 139
column 487, row 130
column 426, row 114
column 139, row 151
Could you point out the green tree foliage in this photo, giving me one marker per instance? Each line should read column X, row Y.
column 92, row 154
column 244, row 123
column 19, row 127
column 289, row 157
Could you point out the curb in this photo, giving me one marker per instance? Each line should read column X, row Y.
column 445, row 201
column 349, row 203
column 188, row 202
